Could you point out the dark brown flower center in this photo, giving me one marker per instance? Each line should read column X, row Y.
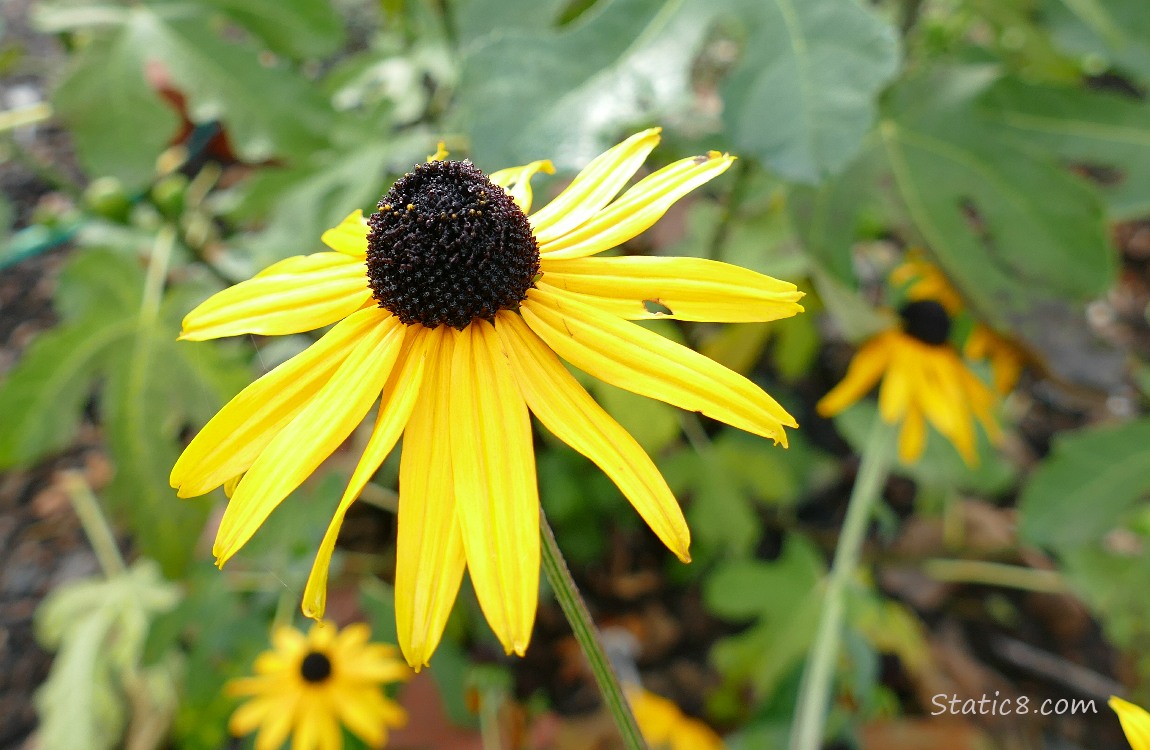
column 315, row 667
column 926, row 320
column 447, row 245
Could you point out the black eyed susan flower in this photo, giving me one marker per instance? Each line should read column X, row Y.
column 453, row 306
column 925, row 281
column 1135, row 723
column 308, row 686
column 923, row 380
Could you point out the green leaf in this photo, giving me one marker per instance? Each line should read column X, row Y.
column 142, row 420
column 98, row 628
column 117, row 121
column 297, row 28
column 43, row 397
column 568, row 94
column 1091, row 479
column 1011, row 228
column 654, row 424
column 267, row 109
column 785, row 597
column 304, row 202
column 1087, row 128
column 1117, row 32
column 803, row 96
column 742, row 589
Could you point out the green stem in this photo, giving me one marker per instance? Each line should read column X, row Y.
column 95, row 525
column 995, row 574
column 815, row 688
column 585, row 633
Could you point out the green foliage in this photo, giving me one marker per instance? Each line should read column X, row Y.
column 98, row 629
column 803, row 95
column 152, row 388
column 782, row 599
column 1105, row 470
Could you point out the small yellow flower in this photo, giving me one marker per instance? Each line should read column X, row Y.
column 307, row 686
column 452, row 307
column 923, row 380
column 1135, row 723
column 925, row 281
column 666, row 727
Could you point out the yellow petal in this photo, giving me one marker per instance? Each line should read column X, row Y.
column 912, row 436
column 302, row 295
column 279, row 723
column 429, row 547
column 249, row 716
column 1135, row 722
column 692, row 288
column 349, row 236
column 497, row 500
column 441, row 152
column 594, row 187
column 943, row 391
column 638, row 208
column 354, row 705
column 568, row 411
column 395, row 406
column 517, row 181
column 633, row 358
column 895, row 392
column 865, row 369
column 236, row 435
column 311, row 437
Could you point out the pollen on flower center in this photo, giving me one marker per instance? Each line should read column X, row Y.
column 447, row 245
column 315, row 667
column 926, row 320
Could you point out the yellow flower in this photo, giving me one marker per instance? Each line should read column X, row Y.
column 307, row 686
column 923, row 380
column 1135, row 723
column 666, row 727
column 925, row 281
column 453, row 308
column 1006, row 358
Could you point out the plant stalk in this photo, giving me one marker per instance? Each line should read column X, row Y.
column 585, row 633
column 815, row 688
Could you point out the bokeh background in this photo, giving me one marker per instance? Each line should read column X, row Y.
column 154, row 152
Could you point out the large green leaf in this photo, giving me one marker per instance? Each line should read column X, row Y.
column 1010, row 226
column 268, row 110
column 117, row 121
column 566, row 94
column 43, row 397
column 1117, row 31
column 299, row 28
column 1087, row 128
column 1091, row 479
column 803, row 96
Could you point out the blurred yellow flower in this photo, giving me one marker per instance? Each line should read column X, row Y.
column 923, row 380
column 925, row 281
column 307, row 686
column 1135, row 722
column 666, row 727
column 453, row 308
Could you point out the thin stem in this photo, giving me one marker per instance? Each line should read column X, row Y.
column 95, row 525
column 995, row 574
column 585, row 633
column 815, row 688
